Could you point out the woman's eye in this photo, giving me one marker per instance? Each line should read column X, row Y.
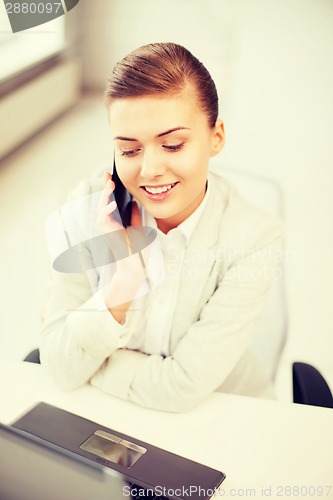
column 129, row 152
column 176, row 147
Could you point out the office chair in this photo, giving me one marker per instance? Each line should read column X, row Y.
column 33, row 357
column 310, row 387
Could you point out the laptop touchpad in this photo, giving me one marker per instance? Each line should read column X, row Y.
column 113, row 448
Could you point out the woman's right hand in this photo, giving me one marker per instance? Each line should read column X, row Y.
column 120, row 291
column 105, row 221
column 116, row 235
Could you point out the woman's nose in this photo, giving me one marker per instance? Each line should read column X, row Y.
column 152, row 165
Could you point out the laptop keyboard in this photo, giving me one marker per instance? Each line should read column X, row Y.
column 140, row 493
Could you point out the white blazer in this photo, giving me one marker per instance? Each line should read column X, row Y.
column 225, row 278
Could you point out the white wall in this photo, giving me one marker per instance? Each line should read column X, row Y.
column 271, row 60
column 111, row 29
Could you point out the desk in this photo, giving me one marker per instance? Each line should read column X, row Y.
column 257, row 443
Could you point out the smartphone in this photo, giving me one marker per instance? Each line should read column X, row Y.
column 123, row 198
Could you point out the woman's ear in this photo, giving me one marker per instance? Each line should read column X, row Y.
column 218, row 138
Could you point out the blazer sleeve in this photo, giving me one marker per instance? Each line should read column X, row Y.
column 209, row 349
column 77, row 335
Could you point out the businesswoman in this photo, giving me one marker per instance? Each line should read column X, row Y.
column 190, row 335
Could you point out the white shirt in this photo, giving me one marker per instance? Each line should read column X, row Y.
column 150, row 317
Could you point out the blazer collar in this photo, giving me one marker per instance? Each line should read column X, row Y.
column 207, row 231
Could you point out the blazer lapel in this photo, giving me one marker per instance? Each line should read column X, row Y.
column 199, row 258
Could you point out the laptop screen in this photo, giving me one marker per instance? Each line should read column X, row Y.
column 31, row 468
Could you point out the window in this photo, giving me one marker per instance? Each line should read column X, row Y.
column 20, row 51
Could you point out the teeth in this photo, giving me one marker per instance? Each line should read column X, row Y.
column 159, row 190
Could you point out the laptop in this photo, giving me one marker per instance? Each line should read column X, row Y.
column 94, row 459
column 31, row 468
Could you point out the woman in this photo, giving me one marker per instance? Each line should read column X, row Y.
column 170, row 348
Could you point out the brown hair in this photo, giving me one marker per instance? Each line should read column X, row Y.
column 163, row 68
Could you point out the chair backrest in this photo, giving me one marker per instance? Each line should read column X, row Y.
column 271, row 333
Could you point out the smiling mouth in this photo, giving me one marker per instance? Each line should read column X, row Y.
column 159, row 189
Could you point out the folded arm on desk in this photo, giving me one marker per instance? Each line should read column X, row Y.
column 76, row 337
column 206, row 354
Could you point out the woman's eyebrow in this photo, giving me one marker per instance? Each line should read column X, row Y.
column 172, row 130
column 121, row 138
